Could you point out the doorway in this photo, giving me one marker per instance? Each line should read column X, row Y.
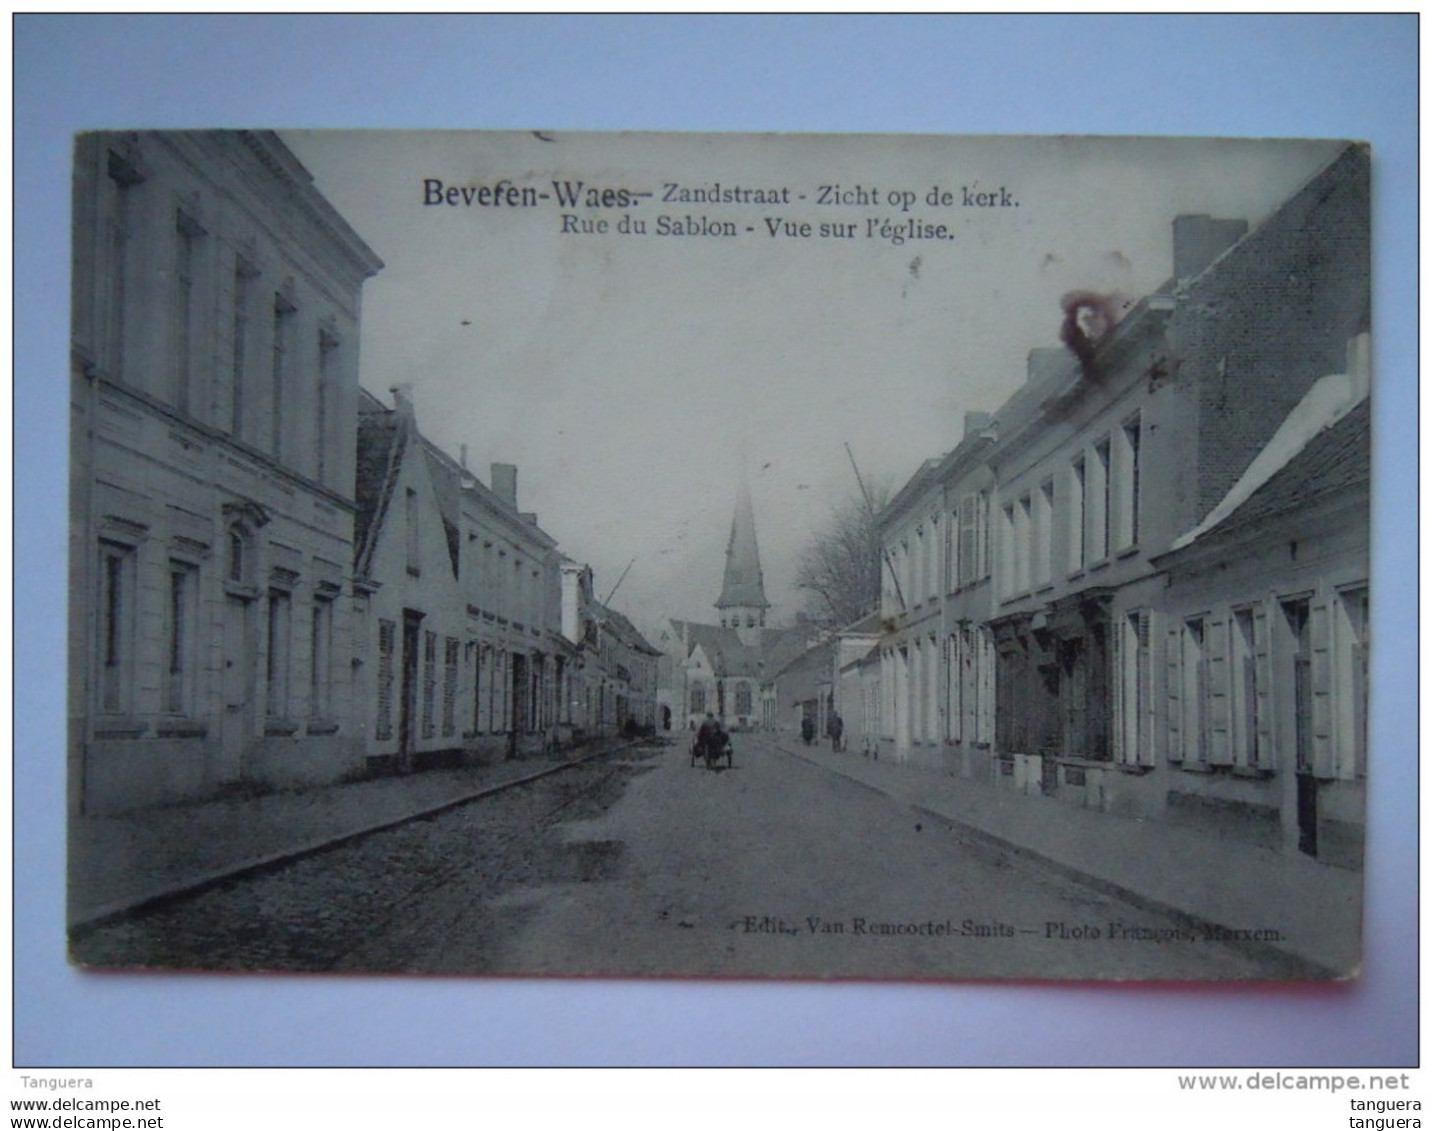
column 236, row 727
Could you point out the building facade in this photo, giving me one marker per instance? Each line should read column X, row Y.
column 464, row 654
column 1042, row 636
column 1265, row 646
column 214, row 395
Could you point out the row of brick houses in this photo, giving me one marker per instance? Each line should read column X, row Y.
column 1140, row 586
column 274, row 578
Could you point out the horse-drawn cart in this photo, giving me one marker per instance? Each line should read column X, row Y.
column 711, row 750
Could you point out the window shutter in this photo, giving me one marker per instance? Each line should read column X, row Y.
column 1145, row 733
column 967, row 541
column 1120, row 648
column 1358, row 607
column 984, row 688
column 1320, row 632
column 953, row 709
column 1220, row 745
column 1264, row 755
column 1174, row 688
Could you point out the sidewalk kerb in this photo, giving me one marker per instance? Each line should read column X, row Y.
column 122, row 909
column 1288, row 964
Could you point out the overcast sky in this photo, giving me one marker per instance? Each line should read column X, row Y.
column 634, row 379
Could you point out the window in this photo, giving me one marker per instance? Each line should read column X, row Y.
column 178, row 633
column 982, row 549
column 929, row 559
column 1298, row 639
column 327, row 367
column 954, row 712
column 1074, row 699
column 1350, row 673
column 1009, row 570
column 237, row 556
column 1134, row 675
column 981, row 699
column 1077, row 486
column 1251, row 677
column 932, row 690
column 1042, row 533
column 1126, row 494
column 967, row 547
column 116, row 595
column 124, row 175
column 183, row 309
column 1096, row 514
column 283, row 312
column 1190, row 688
column 698, row 700
column 1023, row 543
column 412, row 542
column 477, row 669
column 244, row 276
column 280, row 609
column 320, row 690
column 910, row 689
column 387, row 645
column 952, row 551
column 743, row 699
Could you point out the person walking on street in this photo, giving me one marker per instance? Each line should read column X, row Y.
column 837, row 729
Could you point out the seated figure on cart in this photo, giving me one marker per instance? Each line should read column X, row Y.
column 711, row 744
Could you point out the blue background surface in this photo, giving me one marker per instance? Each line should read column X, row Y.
column 1349, row 76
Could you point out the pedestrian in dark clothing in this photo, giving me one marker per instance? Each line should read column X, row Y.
column 837, row 728
column 807, row 729
column 704, row 736
column 719, row 741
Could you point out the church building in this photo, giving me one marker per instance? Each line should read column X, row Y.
column 730, row 669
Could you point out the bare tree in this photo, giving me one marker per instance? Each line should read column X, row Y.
column 839, row 569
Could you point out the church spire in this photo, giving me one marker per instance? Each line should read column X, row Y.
column 743, row 601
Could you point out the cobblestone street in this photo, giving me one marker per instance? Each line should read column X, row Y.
column 639, row 864
column 372, row 902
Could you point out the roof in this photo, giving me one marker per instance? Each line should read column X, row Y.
column 447, row 487
column 382, row 437
column 742, row 585
column 625, row 631
column 811, row 669
column 724, row 649
column 1334, row 462
column 773, row 650
column 872, row 624
column 1324, row 408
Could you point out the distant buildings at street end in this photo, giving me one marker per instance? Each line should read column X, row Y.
column 746, row 674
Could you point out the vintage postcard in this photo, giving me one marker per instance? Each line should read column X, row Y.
column 719, row 556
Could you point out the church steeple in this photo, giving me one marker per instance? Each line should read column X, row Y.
column 743, row 601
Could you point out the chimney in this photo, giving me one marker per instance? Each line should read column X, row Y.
column 462, row 456
column 403, row 398
column 1199, row 240
column 975, row 423
column 504, row 483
